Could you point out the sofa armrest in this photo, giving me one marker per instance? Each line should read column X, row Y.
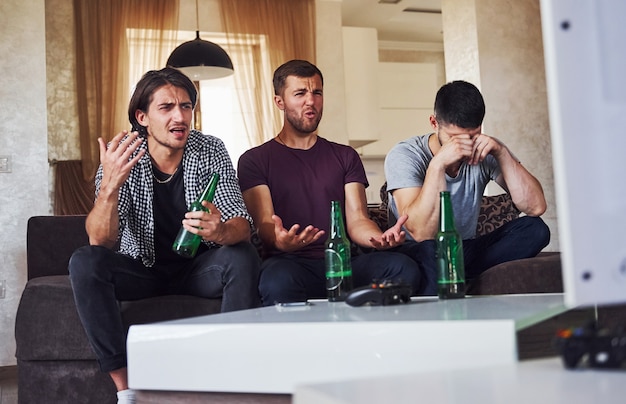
column 50, row 242
column 540, row 274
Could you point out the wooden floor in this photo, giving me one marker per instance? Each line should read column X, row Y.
column 8, row 385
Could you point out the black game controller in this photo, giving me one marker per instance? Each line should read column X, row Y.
column 592, row 347
column 383, row 293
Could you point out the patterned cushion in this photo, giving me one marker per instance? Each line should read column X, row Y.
column 495, row 210
column 379, row 215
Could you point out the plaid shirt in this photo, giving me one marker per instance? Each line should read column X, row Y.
column 203, row 155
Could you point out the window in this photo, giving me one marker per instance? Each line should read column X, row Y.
column 222, row 116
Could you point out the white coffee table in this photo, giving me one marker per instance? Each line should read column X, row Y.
column 273, row 349
column 533, row 381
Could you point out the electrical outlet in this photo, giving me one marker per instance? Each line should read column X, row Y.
column 5, row 164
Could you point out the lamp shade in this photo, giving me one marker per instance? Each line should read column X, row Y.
column 201, row 60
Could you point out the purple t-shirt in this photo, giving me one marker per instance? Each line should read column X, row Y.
column 303, row 182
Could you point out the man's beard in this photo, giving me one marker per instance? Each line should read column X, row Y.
column 165, row 142
column 299, row 123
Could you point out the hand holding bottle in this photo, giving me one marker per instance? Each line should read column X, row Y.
column 206, row 224
column 188, row 239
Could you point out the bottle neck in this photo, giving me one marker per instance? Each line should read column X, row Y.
column 446, row 216
column 337, row 228
column 209, row 191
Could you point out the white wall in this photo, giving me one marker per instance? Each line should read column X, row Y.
column 329, row 55
column 23, row 136
column 407, row 91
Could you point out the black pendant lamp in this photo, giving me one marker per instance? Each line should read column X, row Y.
column 200, row 59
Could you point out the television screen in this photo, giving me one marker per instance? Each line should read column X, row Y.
column 585, row 56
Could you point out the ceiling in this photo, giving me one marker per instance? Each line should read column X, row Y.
column 392, row 22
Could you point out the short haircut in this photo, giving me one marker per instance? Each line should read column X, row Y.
column 151, row 82
column 296, row 67
column 459, row 103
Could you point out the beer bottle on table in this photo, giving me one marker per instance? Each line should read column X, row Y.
column 186, row 243
column 337, row 257
column 450, row 265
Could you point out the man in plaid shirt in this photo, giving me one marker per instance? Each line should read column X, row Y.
column 146, row 180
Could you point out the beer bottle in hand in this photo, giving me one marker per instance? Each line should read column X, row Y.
column 186, row 243
column 450, row 265
column 337, row 257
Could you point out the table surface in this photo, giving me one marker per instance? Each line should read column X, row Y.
column 524, row 310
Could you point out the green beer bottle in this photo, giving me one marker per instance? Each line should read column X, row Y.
column 450, row 265
column 186, row 243
column 337, row 257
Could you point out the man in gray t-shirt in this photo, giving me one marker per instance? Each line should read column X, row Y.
column 459, row 158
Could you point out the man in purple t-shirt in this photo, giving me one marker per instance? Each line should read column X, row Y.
column 288, row 184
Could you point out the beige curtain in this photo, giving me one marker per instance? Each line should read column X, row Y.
column 287, row 30
column 102, row 57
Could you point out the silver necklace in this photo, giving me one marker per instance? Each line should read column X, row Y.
column 165, row 181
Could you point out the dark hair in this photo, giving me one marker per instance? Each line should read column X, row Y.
column 459, row 103
column 149, row 83
column 296, row 67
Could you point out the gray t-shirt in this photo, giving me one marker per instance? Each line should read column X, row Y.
column 405, row 167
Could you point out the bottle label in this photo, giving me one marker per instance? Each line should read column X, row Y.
column 451, row 273
column 335, row 267
column 338, row 277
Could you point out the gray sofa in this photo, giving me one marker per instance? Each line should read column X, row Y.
column 55, row 361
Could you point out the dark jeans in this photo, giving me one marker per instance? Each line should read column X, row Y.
column 520, row 238
column 101, row 277
column 289, row 278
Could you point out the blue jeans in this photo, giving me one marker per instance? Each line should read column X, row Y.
column 101, row 277
column 289, row 278
column 521, row 238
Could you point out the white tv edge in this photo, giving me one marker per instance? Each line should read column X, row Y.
column 585, row 56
